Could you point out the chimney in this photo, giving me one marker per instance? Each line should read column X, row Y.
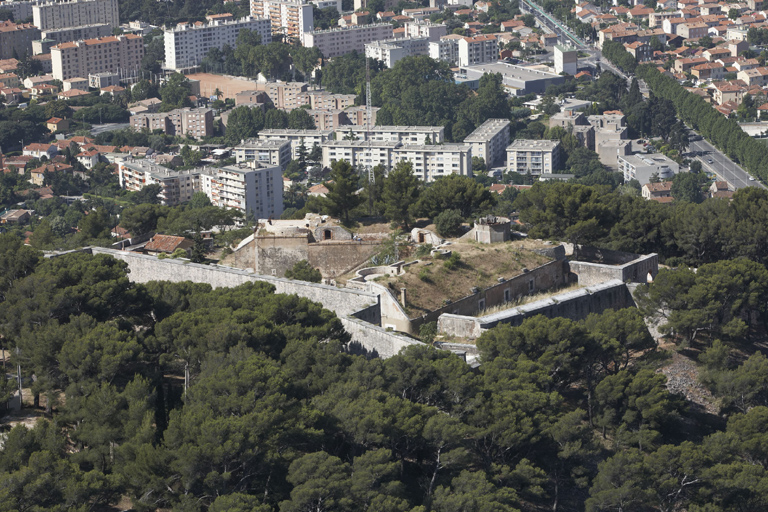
column 402, row 296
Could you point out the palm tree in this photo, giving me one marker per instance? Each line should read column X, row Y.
column 217, row 93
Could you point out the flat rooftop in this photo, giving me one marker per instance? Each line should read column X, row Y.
column 486, row 130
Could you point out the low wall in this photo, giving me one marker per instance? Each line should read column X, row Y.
column 635, row 271
column 145, row 268
column 575, row 305
column 373, row 341
column 337, row 258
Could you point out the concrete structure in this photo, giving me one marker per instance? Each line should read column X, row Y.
column 266, row 152
column 432, row 31
column 20, row 9
column 566, row 60
column 431, row 162
column 194, row 122
column 16, row 39
column 340, row 41
column 518, row 80
column 446, row 49
column 101, row 80
column 404, row 134
column 491, row 230
column 643, row 167
column 489, row 141
column 534, row 156
column 64, row 35
column 187, row 44
column 82, row 58
column 290, row 18
column 391, row 51
column 252, row 189
column 478, row 50
column 75, row 13
column 42, row 46
column 309, row 138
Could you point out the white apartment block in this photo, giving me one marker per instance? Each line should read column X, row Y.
column 296, row 137
column 478, row 50
column 359, row 152
column 392, row 50
column 534, row 156
column 432, row 31
column 446, row 49
column 120, row 54
column 489, row 141
column 643, row 167
column 431, row 162
column 75, row 13
column 251, row 189
column 336, row 42
column 402, row 134
column 266, row 152
column 566, row 60
column 324, row 4
column 288, row 17
column 187, row 44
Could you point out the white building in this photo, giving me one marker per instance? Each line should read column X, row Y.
column 252, row 189
column 118, row 54
column 478, row 50
column 643, row 167
column 534, row 156
column 290, row 18
column 446, row 49
column 324, row 4
column 64, row 35
column 21, row 9
column 431, row 162
column 566, row 60
column 336, row 42
column 359, row 152
column 265, row 152
column 75, row 13
column 432, row 31
column 403, row 134
column 489, row 141
column 296, row 137
column 392, row 50
column 187, row 44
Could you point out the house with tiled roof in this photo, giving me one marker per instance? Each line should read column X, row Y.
column 9, row 80
column 719, row 189
column 167, row 244
column 88, row 158
column 728, row 91
column 39, row 150
column 319, row 190
column 708, row 71
column 11, row 95
column 653, row 191
column 37, row 175
column 57, row 124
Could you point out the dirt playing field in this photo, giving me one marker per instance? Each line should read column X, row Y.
column 228, row 85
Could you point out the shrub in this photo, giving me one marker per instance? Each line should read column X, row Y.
column 448, row 223
column 453, row 262
column 424, row 250
column 303, row 271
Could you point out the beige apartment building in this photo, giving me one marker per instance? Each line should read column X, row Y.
column 288, row 17
column 336, row 42
column 489, row 141
column 478, row 50
column 194, row 122
column 534, row 156
column 17, row 38
column 75, row 13
column 118, row 54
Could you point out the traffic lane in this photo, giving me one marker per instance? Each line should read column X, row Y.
column 723, row 167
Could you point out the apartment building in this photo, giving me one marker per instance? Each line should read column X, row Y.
column 275, row 152
column 285, row 95
column 432, row 31
column 534, row 156
column 446, row 49
column 566, row 60
column 336, row 42
column 309, row 138
column 252, row 189
column 81, row 58
column 692, row 30
column 478, row 50
column 64, row 35
column 431, row 162
column 755, row 76
column 75, row 13
column 359, row 152
column 708, row 71
column 393, row 50
column 323, row 100
column 643, row 167
column 290, row 18
column 187, row 44
column 403, row 134
column 20, row 9
column 194, row 122
column 489, row 141
column 16, row 39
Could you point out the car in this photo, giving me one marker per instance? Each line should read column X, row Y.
column 751, row 178
column 710, row 161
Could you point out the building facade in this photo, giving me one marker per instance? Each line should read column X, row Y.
column 643, row 167
column 252, row 189
column 432, row 31
column 187, row 44
column 64, row 35
column 431, row 162
column 402, row 134
column 391, row 51
column 118, row 54
column 489, row 141
column 75, row 13
column 566, row 60
column 309, row 138
column 16, row 39
column 446, row 49
column 194, row 122
column 478, row 50
column 336, row 42
column 272, row 152
column 534, row 156
column 290, row 18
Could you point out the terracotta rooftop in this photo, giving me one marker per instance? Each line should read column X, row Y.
column 166, row 243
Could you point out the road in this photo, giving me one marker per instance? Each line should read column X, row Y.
column 721, row 165
column 108, row 127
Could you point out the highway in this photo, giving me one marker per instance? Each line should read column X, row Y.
column 108, row 127
column 721, row 165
